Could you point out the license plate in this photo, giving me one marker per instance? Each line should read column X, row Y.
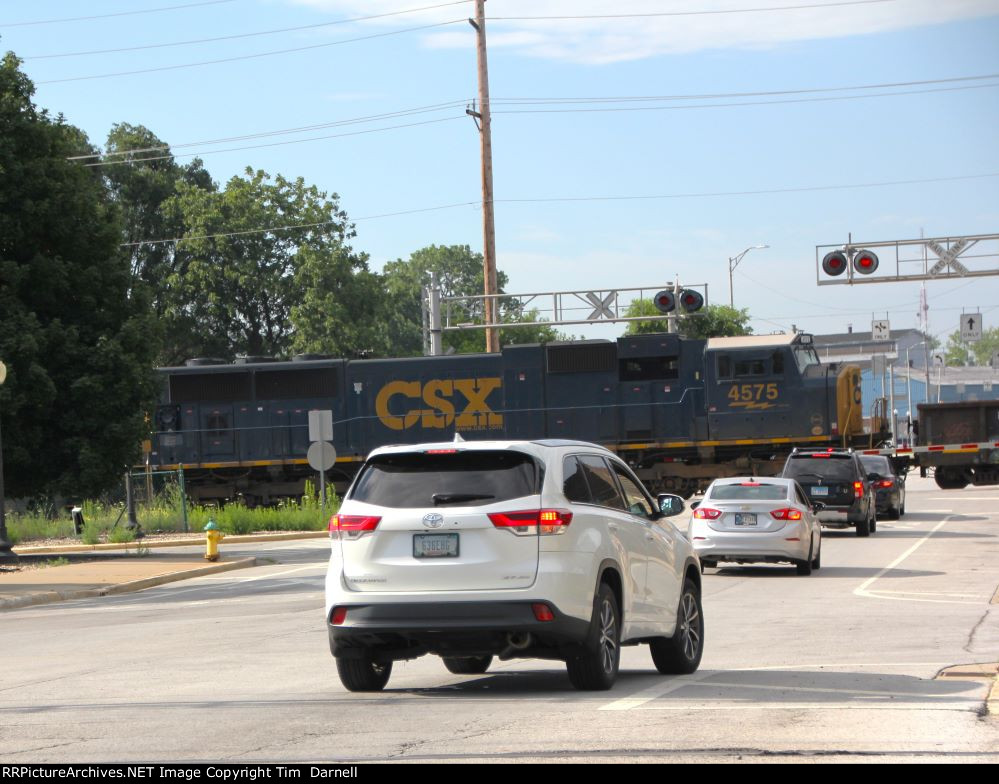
column 745, row 519
column 435, row 545
column 819, row 491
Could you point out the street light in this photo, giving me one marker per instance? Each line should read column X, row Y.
column 7, row 553
column 733, row 262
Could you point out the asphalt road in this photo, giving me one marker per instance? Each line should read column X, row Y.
column 838, row 666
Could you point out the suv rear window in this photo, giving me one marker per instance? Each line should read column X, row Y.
column 464, row 478
column 832, row 467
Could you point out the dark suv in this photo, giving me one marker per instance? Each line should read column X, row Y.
column 836, row 478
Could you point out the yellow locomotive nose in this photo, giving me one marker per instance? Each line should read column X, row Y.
column 212, row 538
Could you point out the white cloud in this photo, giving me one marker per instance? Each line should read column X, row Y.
column 598, row 41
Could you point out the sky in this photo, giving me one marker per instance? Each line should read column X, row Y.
column 637, row 143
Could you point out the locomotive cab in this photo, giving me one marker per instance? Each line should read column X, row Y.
column 762, row 386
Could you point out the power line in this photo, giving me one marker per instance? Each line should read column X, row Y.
column 280, row 144
column 688, row 13
column 825, row 99
column 119, row 13
column 266, row 134
column 754, row 94
column 251, row 56
column 244, row 35
column 803, row 189
column 531, row 101
column 760, row 192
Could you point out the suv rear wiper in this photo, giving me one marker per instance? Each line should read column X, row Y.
column 453, row 498
column 809, row 473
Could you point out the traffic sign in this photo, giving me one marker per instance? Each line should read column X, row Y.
column 880, row 329
column 971, row 327
column 321, row 456
column 320, row 425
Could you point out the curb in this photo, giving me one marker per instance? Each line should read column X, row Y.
column 135, row 585
column 236, row 539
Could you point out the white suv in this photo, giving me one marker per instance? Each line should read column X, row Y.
column 542, row 549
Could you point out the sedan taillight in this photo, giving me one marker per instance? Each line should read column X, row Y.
column 707, row 513
column 543, row 522
column 786, row 514
column 886, row 483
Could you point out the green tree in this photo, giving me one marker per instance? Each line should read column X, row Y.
column 341, row 306
column 978, row 353
column 712, row 321
column 141, row 174
column 459, row 274
column 75, row 334
column 232, row 287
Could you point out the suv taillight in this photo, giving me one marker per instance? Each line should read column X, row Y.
column 353, row 526
column 786, row 514
column 707, row 513
column 858, row 489
column 543, row 522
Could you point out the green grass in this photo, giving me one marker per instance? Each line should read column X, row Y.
column 106, row 522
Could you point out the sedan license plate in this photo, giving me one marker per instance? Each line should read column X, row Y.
column 820, row 491
column 435, row 545
column 745, row 519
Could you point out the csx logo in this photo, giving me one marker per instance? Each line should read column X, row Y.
column 439, row 395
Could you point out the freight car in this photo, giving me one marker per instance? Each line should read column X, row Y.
column 960, row 442
column 681, row 411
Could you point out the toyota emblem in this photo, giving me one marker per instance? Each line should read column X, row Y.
column 433, row 520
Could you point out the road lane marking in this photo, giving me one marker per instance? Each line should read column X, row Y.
column 657, row 691
column 863, row 591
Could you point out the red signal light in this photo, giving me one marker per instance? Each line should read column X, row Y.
column 691, row 301
column 834, row 263
column 665, row 301
column 865, row 262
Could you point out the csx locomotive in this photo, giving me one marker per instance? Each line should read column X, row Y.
column 681, row 411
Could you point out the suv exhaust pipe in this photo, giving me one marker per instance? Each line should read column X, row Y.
column 515, row 641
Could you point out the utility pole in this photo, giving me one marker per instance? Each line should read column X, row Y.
column 488, row 225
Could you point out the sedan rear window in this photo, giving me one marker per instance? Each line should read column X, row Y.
column 748, row 492
column 463, row 478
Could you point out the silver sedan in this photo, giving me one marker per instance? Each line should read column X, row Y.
column 750, row 520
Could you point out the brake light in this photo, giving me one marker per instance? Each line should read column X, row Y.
column 707, row 513
column 858, row 489
column 886, row 483
column 352, row 525
column 786, row 514
column 543, row 522
column 440, row 451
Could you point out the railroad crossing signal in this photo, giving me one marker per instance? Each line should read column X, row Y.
column 971, row 327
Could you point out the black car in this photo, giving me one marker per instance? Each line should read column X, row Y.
column 838, row 479
column 889, row 486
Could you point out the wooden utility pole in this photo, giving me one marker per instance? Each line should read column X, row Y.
column 488, row 224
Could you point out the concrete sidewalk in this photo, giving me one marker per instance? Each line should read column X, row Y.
column 115, row 568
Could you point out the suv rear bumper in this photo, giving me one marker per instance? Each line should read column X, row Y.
column 407, row 630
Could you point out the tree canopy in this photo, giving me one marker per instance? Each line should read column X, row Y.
column 978, row 353
column 712, row 321
column 75, row 333
column 459, row 273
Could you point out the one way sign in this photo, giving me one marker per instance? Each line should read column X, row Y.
column 971, row 327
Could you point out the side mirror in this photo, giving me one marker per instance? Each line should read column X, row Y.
column 818, row 506
column 873, row 477
column 670, row 505
column 695, row 504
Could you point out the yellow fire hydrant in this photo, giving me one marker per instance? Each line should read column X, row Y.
column 212, row 538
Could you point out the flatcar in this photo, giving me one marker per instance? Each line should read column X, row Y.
column 681, row 411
